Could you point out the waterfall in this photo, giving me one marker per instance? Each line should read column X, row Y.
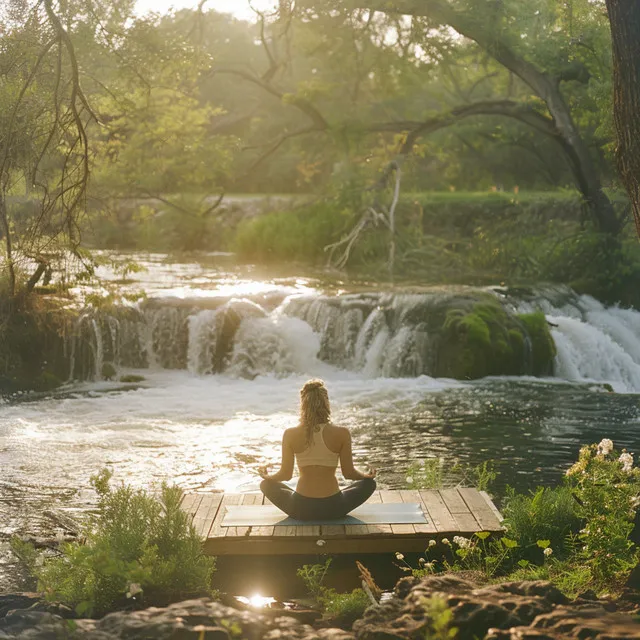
column 203, row 339
column 372, row 335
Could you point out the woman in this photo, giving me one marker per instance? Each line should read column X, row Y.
column 317, row 446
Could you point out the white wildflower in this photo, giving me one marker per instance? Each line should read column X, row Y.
column 399, row 556
column 635, row 502
column 134, row 590
column 321, row 543
column 463, row 543
column 627, row 461
column 605, row 447
column 432, row 543
column 445, row 541
column 548, row 551
column 409, row 479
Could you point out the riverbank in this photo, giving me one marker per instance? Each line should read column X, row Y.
column 449, row 237
column 438, row 608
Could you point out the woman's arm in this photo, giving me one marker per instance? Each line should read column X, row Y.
column 346, row 461
column 286, row 465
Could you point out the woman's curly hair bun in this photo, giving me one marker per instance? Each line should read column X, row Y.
column 311, row 385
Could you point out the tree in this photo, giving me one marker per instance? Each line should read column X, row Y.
column 625, row 33
column 44, row 148
column 497, row 30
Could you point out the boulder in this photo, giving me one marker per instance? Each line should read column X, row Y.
column 201, row 619
column 508, row 611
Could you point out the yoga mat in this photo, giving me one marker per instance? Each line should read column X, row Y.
column 380, row 513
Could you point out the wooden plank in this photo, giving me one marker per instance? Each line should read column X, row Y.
column 311, row 531
column 217, row 530
column 440, row 515
column 356, row 529
column 466, row 521
column 209, row 508
column 309, row 545
column 390, row 496
column 190, row 503
column 480, row 510
column 332, row 530
column 410, row 496
column 492, row 506
column 375, row 498
column 454, row 501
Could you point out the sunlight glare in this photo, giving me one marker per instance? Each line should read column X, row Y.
column 257, row 601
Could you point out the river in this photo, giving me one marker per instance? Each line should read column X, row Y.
column 210, row 431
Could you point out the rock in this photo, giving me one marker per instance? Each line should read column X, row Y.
column 12, row 601
column 573, row 622
column 201, row 619
column 475, row 610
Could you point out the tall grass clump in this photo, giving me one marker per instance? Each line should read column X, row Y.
column 344, row 608
column 137, row 548
column 544, row 514
column 299, row 235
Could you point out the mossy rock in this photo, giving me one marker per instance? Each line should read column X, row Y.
column 108, row 371
column 132, row 378
column 543, row 348
column 46, row 381
column 480, row 339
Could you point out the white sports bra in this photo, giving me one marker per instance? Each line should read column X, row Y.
column 317, row 453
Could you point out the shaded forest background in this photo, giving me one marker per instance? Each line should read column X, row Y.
column 466, row 140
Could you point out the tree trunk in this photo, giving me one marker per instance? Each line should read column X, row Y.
column 625, row 34
column 4, row 220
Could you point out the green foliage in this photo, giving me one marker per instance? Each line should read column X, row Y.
column 544, row 514
column 576, row 535
column 131, row 378
column 31, row 344
column 343, row 607
column 569, row 576
column 439, row 618
column 436, row 473
column 480, row 341
column 607, row 489
column 543, row 348
column 298, row 235
column 138, row 547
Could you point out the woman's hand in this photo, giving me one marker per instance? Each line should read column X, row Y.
column 372, row 473
column 263, row 472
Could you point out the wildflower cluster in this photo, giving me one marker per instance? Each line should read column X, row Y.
column 606, row 486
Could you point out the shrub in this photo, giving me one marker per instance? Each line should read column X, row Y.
column 299, row 235
column 544, row 514
column 137, row 547
column 345, row 608
column 607, row 489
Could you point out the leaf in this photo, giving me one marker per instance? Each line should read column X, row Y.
column 543, row 544
column 523, row 563
column 509, row 544
column 483, row 535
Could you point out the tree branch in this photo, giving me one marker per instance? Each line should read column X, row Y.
column 296, row 101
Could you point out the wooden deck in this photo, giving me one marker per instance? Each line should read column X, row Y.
column 449, row 512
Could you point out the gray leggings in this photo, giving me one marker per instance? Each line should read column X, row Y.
column 336, row 506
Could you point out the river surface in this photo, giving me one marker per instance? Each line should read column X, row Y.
column 211, row 431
